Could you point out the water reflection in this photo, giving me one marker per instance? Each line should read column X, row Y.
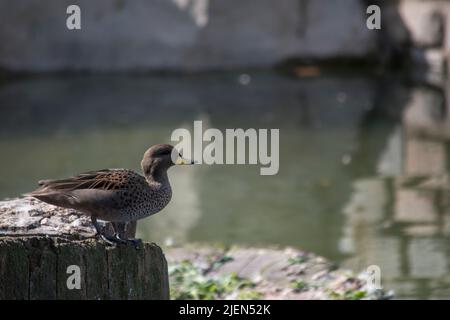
column 363, row 161
column 398, row 218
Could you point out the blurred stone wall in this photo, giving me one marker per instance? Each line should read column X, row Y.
column 417, row 29
column 211, row 34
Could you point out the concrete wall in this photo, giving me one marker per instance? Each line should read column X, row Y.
column 179, row 34
column 213, row 34
column 421, row 29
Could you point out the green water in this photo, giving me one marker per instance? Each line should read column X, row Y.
column 354, row 185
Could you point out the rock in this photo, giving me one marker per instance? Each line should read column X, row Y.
column 271, row 273
column 424, row 21
column 31, row 217
column 179, row 34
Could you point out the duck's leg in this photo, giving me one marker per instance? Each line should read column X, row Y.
column 131, row 229
column 99, row 230
column 120, row 230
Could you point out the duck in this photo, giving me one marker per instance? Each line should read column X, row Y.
column 117, row 196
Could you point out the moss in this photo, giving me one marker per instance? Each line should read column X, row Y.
column 221, row 261
column 347, row 295
column 188, row 282
column 299, row 285
column 250, row 295
column 298, row 260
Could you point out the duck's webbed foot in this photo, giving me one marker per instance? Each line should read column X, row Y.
column 120, row 234
column 112, row 240
column 100, row 232
column 98, row 229
column 134, row 242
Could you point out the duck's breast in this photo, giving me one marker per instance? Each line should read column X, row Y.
column 143, row 203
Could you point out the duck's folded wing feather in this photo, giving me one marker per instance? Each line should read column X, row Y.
column 105, row 179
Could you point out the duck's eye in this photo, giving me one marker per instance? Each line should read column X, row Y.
column 165, row 152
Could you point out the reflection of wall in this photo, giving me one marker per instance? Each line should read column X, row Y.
column 425, row 164
column 427, row 115
column 399, row 220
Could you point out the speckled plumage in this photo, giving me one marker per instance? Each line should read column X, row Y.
column 116, row 195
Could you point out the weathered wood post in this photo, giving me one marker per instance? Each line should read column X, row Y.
column 49, row 253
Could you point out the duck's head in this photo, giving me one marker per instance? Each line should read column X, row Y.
column 159, row 158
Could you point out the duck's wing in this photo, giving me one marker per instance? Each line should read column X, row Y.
column 93, row 186
column 99, row 180
column 105, row 179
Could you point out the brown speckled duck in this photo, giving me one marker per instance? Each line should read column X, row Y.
column 116, row 195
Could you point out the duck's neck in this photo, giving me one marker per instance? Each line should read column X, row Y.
column 158, row 177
